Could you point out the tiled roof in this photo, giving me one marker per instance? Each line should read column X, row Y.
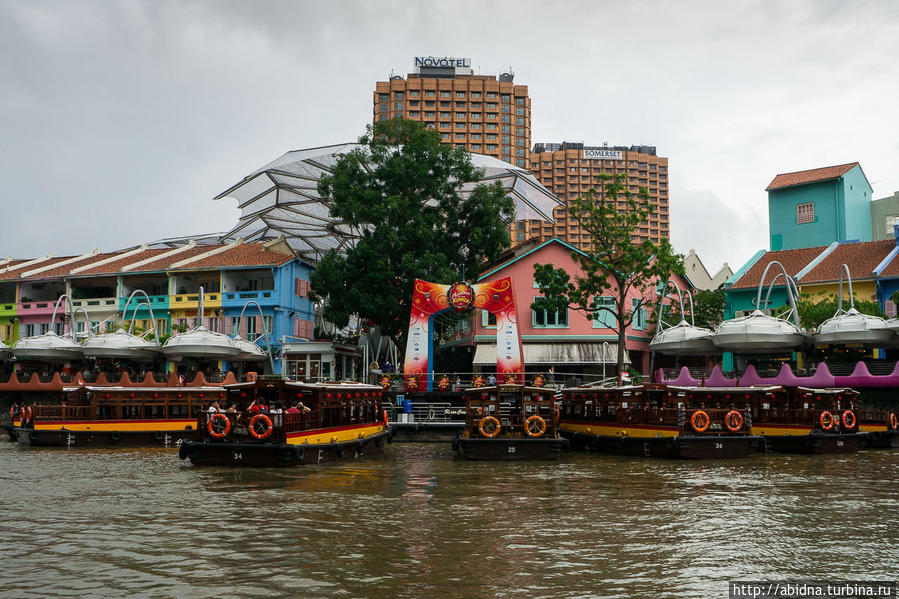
column 65, row 269
column 861, row 258
column 793, row 261
column 16, row 274
column 246, row 254
column 814, row 175
column 164, row 263
column 116, row 265
column 891, row 270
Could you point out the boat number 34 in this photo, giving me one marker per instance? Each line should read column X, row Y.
column 237, row 456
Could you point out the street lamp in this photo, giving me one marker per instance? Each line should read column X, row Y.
column 605, row 344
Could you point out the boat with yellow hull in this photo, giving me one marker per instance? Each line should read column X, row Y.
column 654, row 421
column 109, row 416
column 332, row 421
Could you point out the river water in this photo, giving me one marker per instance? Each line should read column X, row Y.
column 417, row 523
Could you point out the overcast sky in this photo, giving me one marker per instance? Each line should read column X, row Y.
column 120, row 121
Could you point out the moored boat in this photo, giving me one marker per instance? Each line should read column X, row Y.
column 510, row 422
column 108, row 416
column 880, row 428
column 656, row 421
column 286, row 423
column 806, row 420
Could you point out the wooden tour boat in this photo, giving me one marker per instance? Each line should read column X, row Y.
column 880, row 428
column 331, row 421
column 510, row 422
column 657, row 421
column 92, row 416
column 805, row 420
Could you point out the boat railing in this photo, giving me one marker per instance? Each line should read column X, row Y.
column 63, row 413
column 654, row 416
column 285, row 423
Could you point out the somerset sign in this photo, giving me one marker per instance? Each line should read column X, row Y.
column 602, row 154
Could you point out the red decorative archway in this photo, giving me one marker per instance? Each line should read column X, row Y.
column 429, row 299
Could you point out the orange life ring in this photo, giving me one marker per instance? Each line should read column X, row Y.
column 733, row 420
column 218, row 434
column 268, row 426
column 700, row 421
column 894, row 421
column 484, row 421
column 535, row 432
column 826, row 420
column 849, row 419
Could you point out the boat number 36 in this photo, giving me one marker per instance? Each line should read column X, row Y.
column 511, row 449
column 237, row 456
column 719, row 445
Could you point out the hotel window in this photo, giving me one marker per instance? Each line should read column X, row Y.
column 445, row 104
column 475, row 147
column 491, row 147
column 491, row 116
column 460, row 115
column 413, row 93
column 460, row 105
column 475, row 137
column 519, row 101
column 519, row 121
column 519, row 131
column 519, row 142
column 491, row 105
column 475, row 95
column 429, row 93
column 444, row 136
column 519, row 152
column 507, row 150
column 414, row 103
column 460, row 136
column 519, row 163
column 475, row 115
column 475, row 105
column 506, row 139
column 476, row 125
column 460, row 94
column 383, row 97
column 490, row 136
column 491, row 95
column 413, row 114
column 506, row 118
column 805, row 213
column 506, row 98
column 460, row 126
column 506, row 109
column 541, row 317
column 429, row 114
column 507, row 129
column 397, row 95
column 382, row 107
column 491, row 126
column 397, row 105
column 444, row 125
column 430, row 104
column 444, row 94
column 444, row 115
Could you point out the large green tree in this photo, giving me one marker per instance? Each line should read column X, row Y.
column 618, row 276
column 403, row 191
column 708, row 308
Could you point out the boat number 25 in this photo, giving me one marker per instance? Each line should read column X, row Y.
column 719, row 445
column 237, row 456
column 511, row 449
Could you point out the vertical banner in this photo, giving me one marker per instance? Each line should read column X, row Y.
column 496, row 297
column 427, row 299
column 430, row 298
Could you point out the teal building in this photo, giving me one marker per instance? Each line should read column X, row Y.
column 818, row 207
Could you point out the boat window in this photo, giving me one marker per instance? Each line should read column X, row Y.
column 106, row 412
column 178, row 411
column 132, row 412
column 156, row 411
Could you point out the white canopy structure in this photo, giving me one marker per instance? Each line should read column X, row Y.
column 282, row 198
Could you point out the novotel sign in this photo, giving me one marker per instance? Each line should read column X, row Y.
column 442, row 62
column 602, row 154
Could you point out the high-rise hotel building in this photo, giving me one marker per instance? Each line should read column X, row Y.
column 482, row 113
column 570, row 169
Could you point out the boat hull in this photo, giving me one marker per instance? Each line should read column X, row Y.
column 691, row 447
column 62, row 437
column 880, row 439
column 814, row 443
column 505, row 449
column 271, row 455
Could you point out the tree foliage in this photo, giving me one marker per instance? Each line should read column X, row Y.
column 402, row 192
column 617, row 266
column 813, row 313
column 708, row 309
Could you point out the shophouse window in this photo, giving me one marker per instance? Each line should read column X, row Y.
column 541, row 317
column 603, row 318
column 640, row 315
column 805, row 213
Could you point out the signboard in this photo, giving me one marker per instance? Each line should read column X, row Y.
column 460, row 296
column 442, row 62
column 602, row 154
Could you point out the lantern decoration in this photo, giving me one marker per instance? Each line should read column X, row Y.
column 411, row 383
column 444, row 383
column 478, row 381
column 539, row 381
column 385, row 382
column 511, row 379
